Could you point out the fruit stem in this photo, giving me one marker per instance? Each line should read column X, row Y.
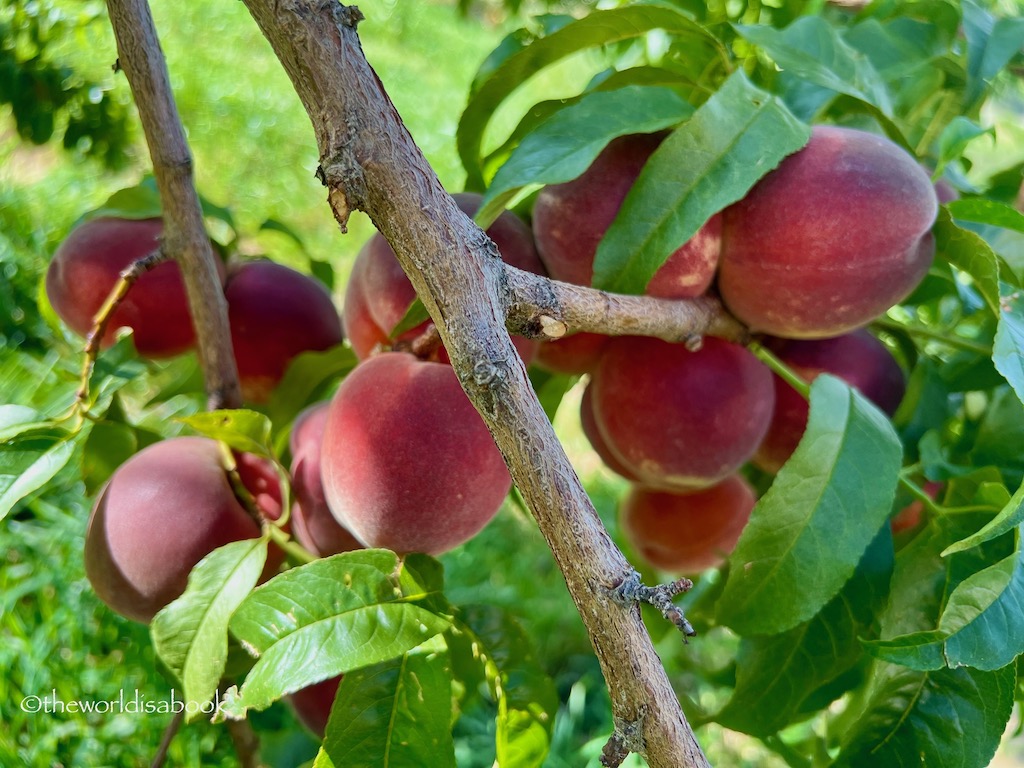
column 293, row 550
column 780, row 369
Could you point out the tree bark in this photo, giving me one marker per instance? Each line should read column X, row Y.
column 369, row 162
column 184, row 235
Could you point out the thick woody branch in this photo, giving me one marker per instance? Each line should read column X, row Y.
column 184, row 236
column 369, row 161
column 542, row 308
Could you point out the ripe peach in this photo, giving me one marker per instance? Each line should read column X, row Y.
column 676, row 419
column 407, row 462
column 857, row 358
column 687, row 533
column 593, row 434
column 830, row 239
column 312, row 522
column 86, row 267
column 575, row 354
column 379, row 293
column 909, row 518
column 275, row 314
column 313, row 703
column 161, row 512
column 570, row 219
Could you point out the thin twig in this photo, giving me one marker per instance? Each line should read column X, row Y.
column 128, row 277
column 165, row 743
column 247, row 743
column 632, row 590
column 184, row 236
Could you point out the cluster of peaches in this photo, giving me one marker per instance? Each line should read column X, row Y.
column 399, row 458
column 819, row 248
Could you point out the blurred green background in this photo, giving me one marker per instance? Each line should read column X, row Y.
column 254, row 153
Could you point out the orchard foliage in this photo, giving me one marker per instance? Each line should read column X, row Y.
column 825, row 634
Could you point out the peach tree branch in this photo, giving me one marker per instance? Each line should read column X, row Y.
column 184, row 236
column 540, row 307
column 369, row 162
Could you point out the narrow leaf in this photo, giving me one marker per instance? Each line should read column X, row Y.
column 991, row 43
column 602, row 27
column 241, row 429
column 1010, row 517
column 1008, row 348
column 991, row 212
column 306, row 376
column 29, row 461
column 329, row 617
column 953, row 718
column 775, row 674
column 813, row 50
column 109, row 444
column 414, row 315
column 809, row 531
column 969, row 253
column 191, row 634
column 565, row 145
column 396, row 714
column 525, row 695
column 712, row 160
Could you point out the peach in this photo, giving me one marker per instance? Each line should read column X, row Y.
column 275, row 314
column 573, row 355
column 160, row 513
column 407, row 462
column 857, row 358
column 86, row 267
column 676, row 419
column 830, row 239
column 687, row 533
column 312, row 522
column 570, row 219
column 379, row 293
column 593, row 434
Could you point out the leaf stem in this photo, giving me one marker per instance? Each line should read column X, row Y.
column 947, row 338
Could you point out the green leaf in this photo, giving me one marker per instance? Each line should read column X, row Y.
column 526, row 697
column 991, row 43
column 242, row 429
column 954, row 139
column 1010, row 517
column 191, row 634
column 953, row 718
column 108, row 446
column 564, row 145
column 139, row 202
column 15, row 419
column 599, row 28
column 712, row 160
column 332, row 616
column 305, row 378
column 396, row 714
column 969, row 253
column 775, row 674
column 551, row 389
column 29, row 461
column 809, row 531
column 113, row 369
column 414, row 316
column 813, row 50
column 984, row 211
column 1008, row 348
column 982, row 625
